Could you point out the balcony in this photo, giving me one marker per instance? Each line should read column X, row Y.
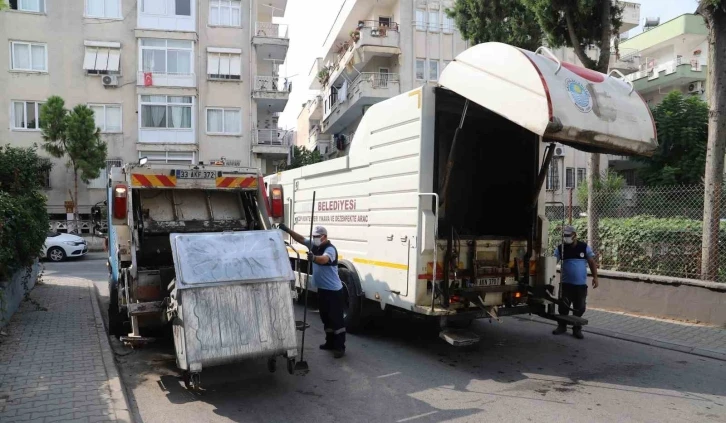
column 166, row 15
column 271, row 40
column 630, row 17
column 166, row 79
column 676, row 72
column 628, row 61
column 368, row 41
column 319, row 141
column 271, row 93
column 271, row 143
column 347, row 103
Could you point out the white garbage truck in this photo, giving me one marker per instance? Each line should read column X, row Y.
column 452, row 174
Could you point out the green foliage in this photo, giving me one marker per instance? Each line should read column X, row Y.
column 84, row 143
column 506, row 21
column 578, row 24
column 682, row 124
column 23, row 216
column 302, row 157
column 3, row 4
column 608, row 192
column 645, row 244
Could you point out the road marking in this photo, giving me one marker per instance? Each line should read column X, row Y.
column 416, row 417
column 388, row 375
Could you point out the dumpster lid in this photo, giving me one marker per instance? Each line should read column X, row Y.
column 559, row 101
column 202, row 260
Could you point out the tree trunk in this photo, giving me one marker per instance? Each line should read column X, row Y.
column 75, row 201
column 593, row 219
column 716, row 88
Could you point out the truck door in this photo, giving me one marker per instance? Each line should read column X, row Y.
column 396, row 265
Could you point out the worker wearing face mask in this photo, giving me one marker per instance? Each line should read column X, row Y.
column 575, row 257
column 330, row 289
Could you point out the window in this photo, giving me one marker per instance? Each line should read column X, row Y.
column 553, row 177
column 581, row 175
column 420, row 71
column 225, row 13
column 26, row 115
column 183, row 7
column 166, row 56
column 102, row 60
column 153, row 7
column 102, row 180
column 224, row 121
column 223, row 65
column 44, row 175
column 448, row 24
column 384, row 21
column 629, row 176
column 166, row 112
column 433, row 70
column 170, row 157
column 108, row 117
column 109, row 9
column 570, row 177
column 434, row 20
column 37, row 6
column 29, row 56
column 421, row 20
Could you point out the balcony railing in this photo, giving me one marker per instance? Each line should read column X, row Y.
column 377, row 80
column 166, row 79
column 377, row 24
column 272, row 84
column 652, row 70
column 273, row 137
column 271, row 30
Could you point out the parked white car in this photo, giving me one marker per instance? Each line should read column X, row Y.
column 59, row 247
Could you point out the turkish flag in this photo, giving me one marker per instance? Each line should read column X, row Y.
column 148, row 80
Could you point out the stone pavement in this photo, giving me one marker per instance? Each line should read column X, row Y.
column 56, row 364
column 708, row 341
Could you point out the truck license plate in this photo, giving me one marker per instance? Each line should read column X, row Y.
column 195, row 174
column 487, row 281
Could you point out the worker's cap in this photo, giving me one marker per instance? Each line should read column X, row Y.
column 569, row 230
column 319, row 231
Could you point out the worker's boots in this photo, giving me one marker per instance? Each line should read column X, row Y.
column 577, row 332
column 560, row 330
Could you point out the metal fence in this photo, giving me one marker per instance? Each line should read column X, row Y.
column 649, row 230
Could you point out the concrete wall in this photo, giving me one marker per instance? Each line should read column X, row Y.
column 12, row 293
column 659, row 296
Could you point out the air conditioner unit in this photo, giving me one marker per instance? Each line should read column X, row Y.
column 695, row 87
column 559, row 150
column 110, row 80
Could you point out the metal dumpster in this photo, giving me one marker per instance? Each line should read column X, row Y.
column 231, row 300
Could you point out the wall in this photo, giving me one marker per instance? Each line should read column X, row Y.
column 659, row 296
column 12, row 292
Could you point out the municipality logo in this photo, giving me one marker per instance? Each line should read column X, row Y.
column 580, row 95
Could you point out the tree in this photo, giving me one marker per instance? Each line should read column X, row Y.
column 302, row 157
column 506, row 21
column 73, row 135
column 682, row 125
column 23, row 216
column 714, row 14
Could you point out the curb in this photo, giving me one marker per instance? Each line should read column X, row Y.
column 118, row 396
column 646, row 341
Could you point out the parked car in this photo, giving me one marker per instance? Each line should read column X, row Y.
column 59, row 247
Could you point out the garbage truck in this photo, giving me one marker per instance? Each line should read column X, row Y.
column 437, row 209
column 191, row 248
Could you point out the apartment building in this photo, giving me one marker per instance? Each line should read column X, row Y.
column 376, row 49
column 176, row 81
column 668, row 57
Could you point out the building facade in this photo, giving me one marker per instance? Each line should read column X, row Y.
column 672, row 56
column 176, row 81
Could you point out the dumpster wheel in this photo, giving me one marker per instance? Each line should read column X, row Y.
column 291, row 365
column 272, row 364
column 192, row 381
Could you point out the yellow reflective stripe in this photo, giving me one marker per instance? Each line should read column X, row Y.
column 381, row 264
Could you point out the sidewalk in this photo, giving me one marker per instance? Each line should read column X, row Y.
column 707, row 341
column 56, row 364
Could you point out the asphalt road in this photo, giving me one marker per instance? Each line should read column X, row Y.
column 399, row 371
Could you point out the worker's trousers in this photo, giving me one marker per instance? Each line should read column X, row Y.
column 331, row 312
column 576, row 295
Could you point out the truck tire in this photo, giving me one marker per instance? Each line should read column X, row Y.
column 353, row 311
column 115, row 318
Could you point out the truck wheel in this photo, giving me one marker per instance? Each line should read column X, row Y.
column 353, row 303
column 115, row 319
